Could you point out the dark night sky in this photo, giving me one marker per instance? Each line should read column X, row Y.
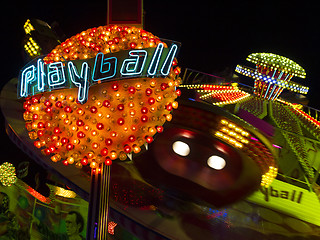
column 214, row 34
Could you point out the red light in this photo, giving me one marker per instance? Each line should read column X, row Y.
column 37, row 195
column 144, row 110
column 132, row 138
column 69, row 146
column 174, row 62
column 25, row 105
column 115, row 86
column 178, row 92
column 68, row 109
column 47, row 103
column 40, row 133
column 127, row 149
column 58, row 104
column 133, row 45
column 164, row 86
column 149, row 139
column 56, row 130
column 108, row 161
column 148, row 91
column 159, row 129
column 79, row 123
column 64, row 140
column 120, row 107
column 106, row 103
column 84, row 161
column 52, row 149
column 108, row 141
column 40, row 125
column 93, row 109
column 104, row 151
column 110, row 42
column 144, row 118
column 65, row 162
column 100, row 126
column 35, row 117
column 169, row 106
column 80, row 134
column 48, row 110
column 37, row 144
column 120, row 121
column 151, row 101
column 47, row 151
column 132, row 90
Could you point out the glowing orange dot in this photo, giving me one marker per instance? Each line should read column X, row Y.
column 169, row 117
column 136, row 149
column 93, row 164
column 94, row 132
column 113, row 155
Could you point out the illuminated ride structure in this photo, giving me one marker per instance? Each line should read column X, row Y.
column 103, row 111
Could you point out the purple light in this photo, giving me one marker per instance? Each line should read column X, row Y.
column 255, row 139
column 276, row 146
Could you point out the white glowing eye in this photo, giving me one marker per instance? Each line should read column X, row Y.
column 216, row 162
column 181, row 148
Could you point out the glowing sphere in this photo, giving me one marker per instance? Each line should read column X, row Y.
column 119, row 116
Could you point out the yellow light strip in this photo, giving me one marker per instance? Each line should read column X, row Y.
column 269, row 176
column 59, row 191
column 28, row 27
column 229, row 139
column 32, row 47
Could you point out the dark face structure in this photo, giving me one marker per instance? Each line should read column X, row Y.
column 195, row 166
column 72, row 225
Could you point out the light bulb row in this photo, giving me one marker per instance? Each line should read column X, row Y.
column 105, row 39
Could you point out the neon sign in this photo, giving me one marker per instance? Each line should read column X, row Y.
column 39, row 77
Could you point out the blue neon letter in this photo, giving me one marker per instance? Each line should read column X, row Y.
column 40, row 74
column 82, row 81
column 134, row 64
column 56, row 76
column 165, row 69
column 27, row 76
column 104, row 68
column 152, row 70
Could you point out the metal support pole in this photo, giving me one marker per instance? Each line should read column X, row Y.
column 97, row 226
